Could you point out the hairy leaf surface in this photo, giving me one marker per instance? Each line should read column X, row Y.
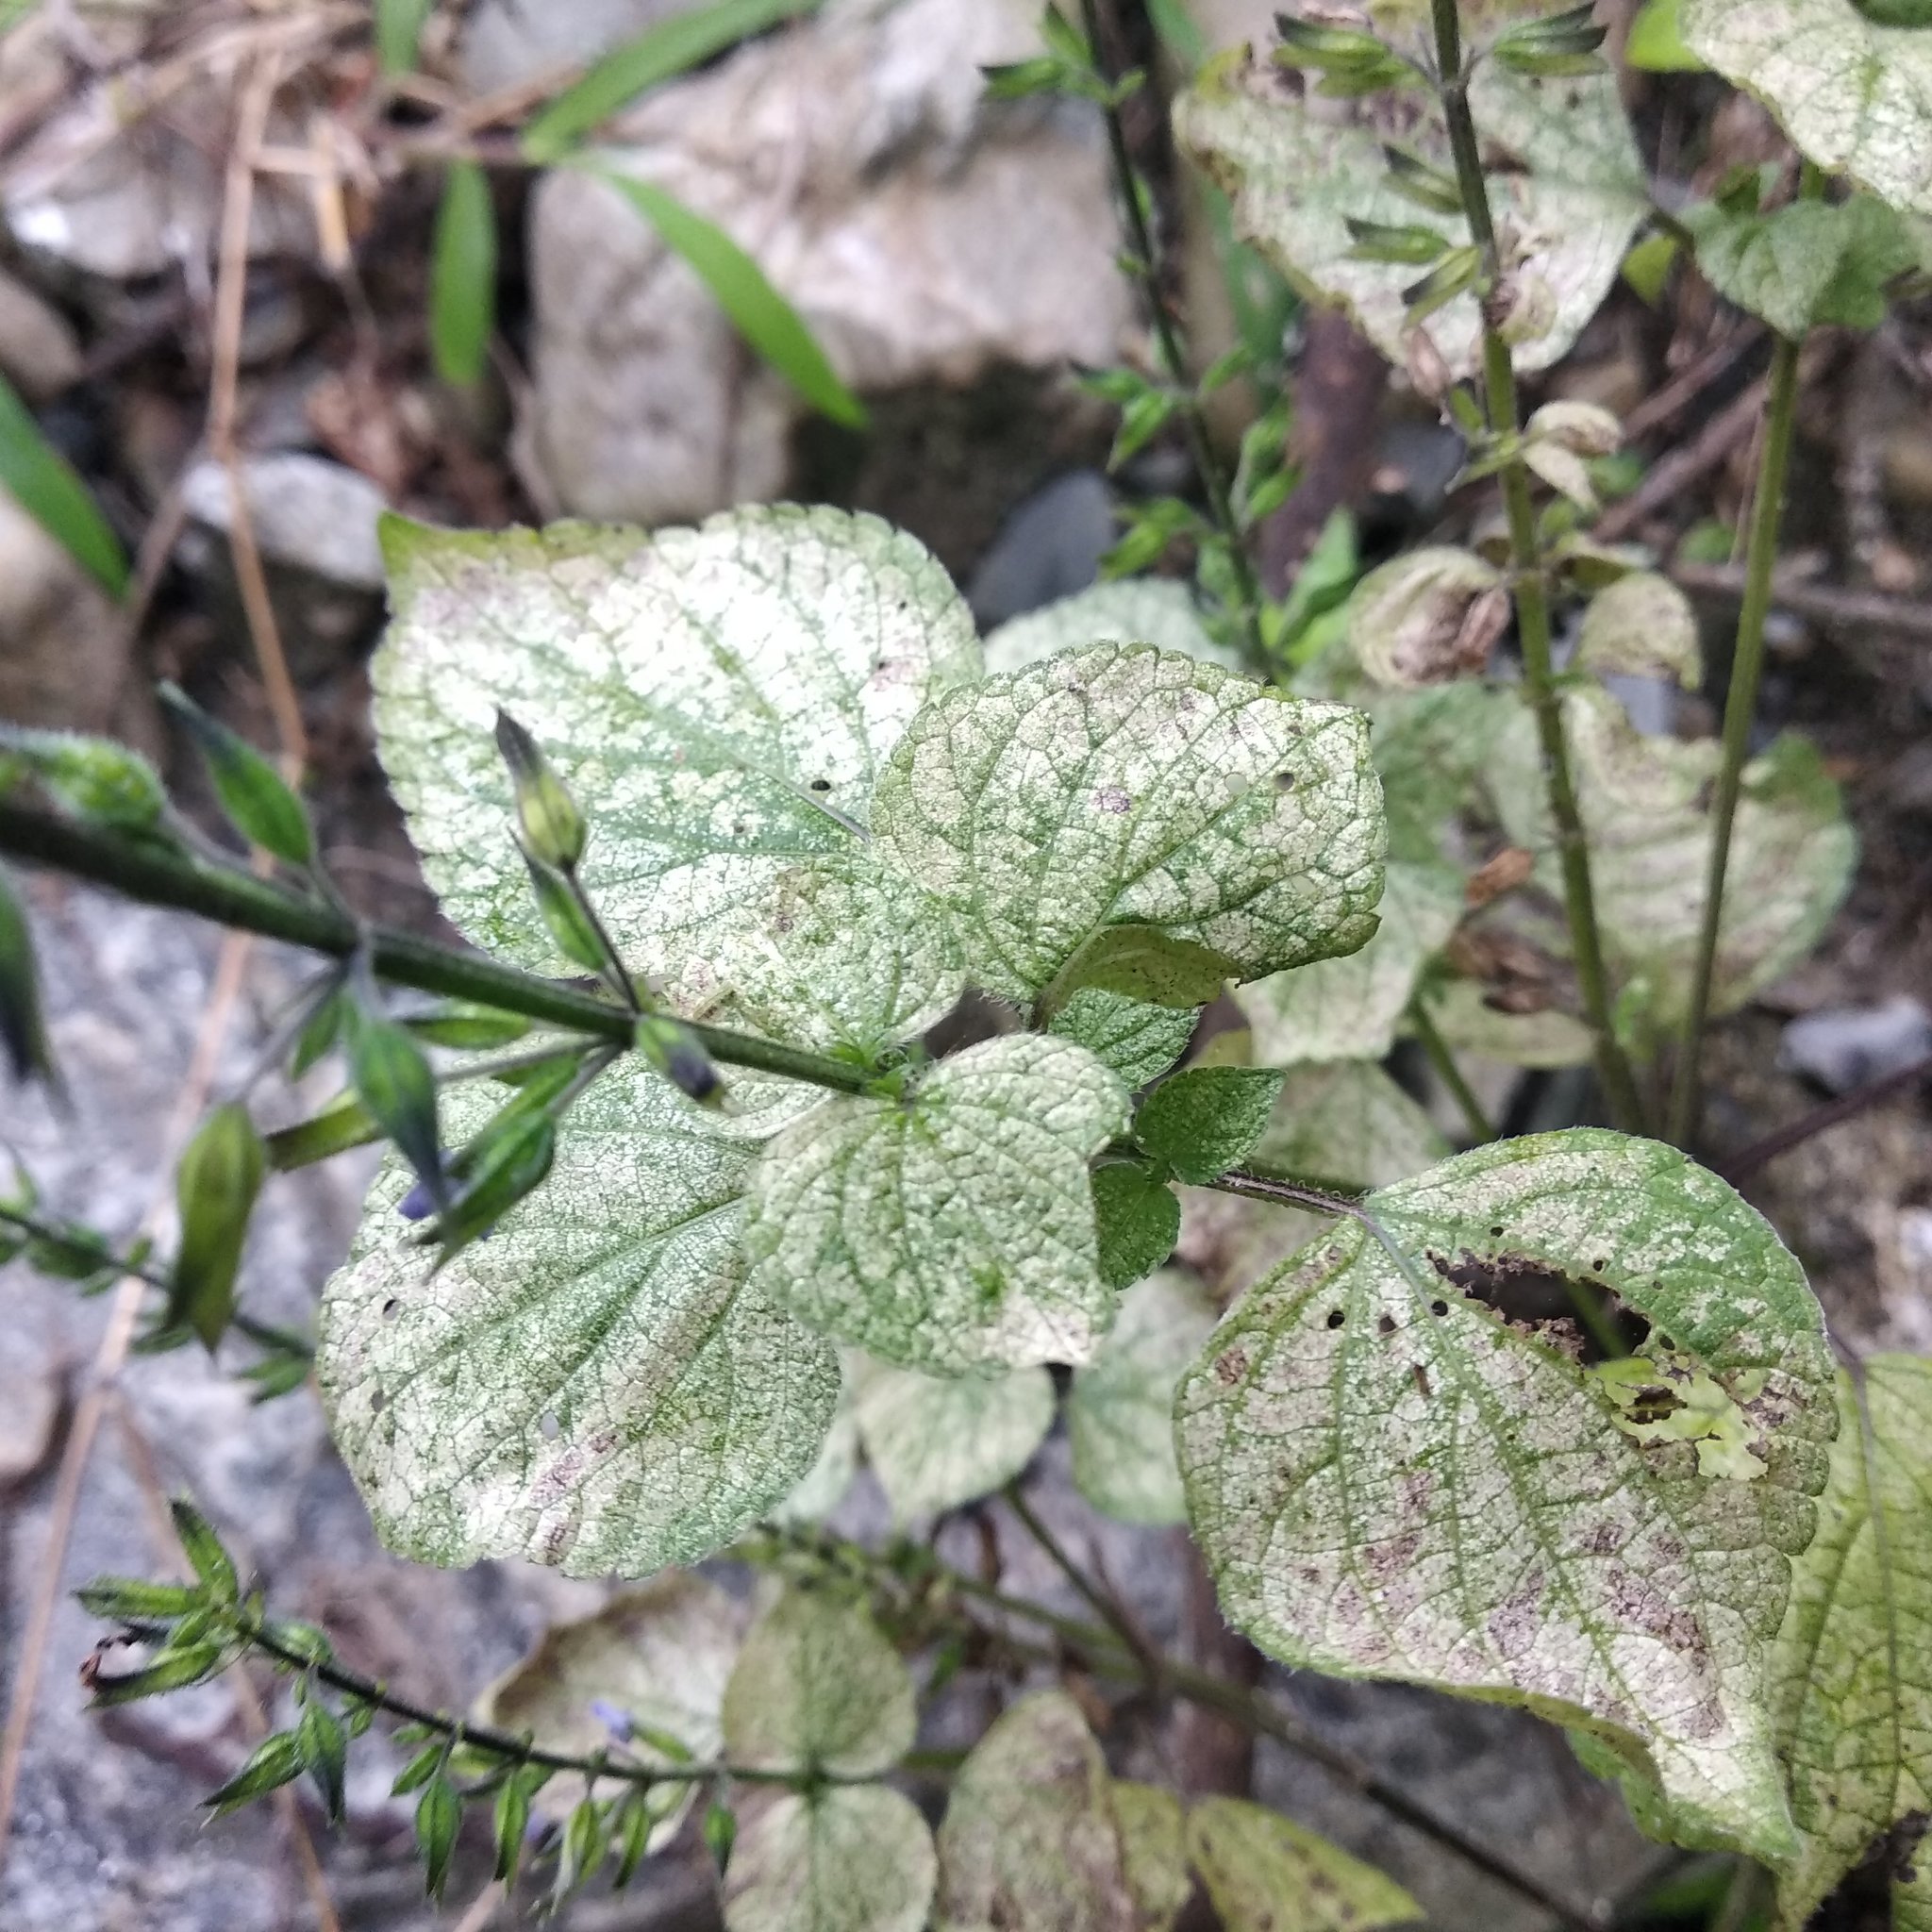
column 1352, row 1009
column 1120, row 1412
column 935, row 1445
column 722, row 698
column 1387, row 1479
column 816, row 1686
column 1134, row 611
column 1266, row 1873
column 596, row 1385
column 845, row 1858
column 1125, row 786
column 1299, row 168
column 1856, row 96
column 951, row 1231
column 1137, row 1039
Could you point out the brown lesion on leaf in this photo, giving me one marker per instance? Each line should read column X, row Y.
column 1230, row 1367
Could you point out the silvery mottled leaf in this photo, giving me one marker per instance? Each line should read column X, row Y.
column 1137, row 1040
column 1852, row 1671
column 1645, row 807
column 1154, row 1852
column 1409, row 619
column 1299, row 168
column 1388, row 1480
column 1854, row 94
column 1266, row 1873
column 1137, row 610
column 843, row 1858
column 1552, row 1037
column 1352, row 1009
column 656, row 1658
column 720, row 700
column 951, row 1231
column 935, row 1445
column 823, row 1485
column 816, row 1686
column 1120, row 1412
column 1124, row 786
column 596, row 1385
column 1031, row 1843
column 1644, row 625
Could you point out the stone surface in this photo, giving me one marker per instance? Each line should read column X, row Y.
column 506, row 43
column 39, row 352
column 1842, row 1047
column 923, row 234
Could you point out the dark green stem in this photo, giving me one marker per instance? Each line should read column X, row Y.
column 1451, row 1075
column 1173, row 363
column 1741, row 704
column 159, row 874
column 1532, row 592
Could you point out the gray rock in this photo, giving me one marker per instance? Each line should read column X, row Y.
column 1844, row 1047
column 309, row 513
column 506, row 43
column 923, row 234
column 1050, row 547
column 40, row 354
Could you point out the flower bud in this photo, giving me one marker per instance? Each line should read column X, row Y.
column 215, row 1187
column 553, row 828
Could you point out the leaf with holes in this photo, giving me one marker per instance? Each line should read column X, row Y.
column 1135, row 610
column 596, row 1386
column 951, row 1231
column 725, row 697
column 817, row 1687
column 652, row 1662
column 1126, row 787
column 1267, row 1874
column 1352, row 1009
column 935, row 1445
column 1853, row 91
column 1390, row 1478
column 1030, row 1841
column 1852, row 1671
column 1120, row 1412
column 841, row 1858
column 1300, row 168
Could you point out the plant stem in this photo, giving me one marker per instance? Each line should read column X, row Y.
column 158, row 876
column 1740, row 703
column 1109, row 1612
column 1141, row 247
column 1451, row 1075
column 1532, row 592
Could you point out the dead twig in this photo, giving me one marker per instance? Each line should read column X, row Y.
column 1761, row 1153
column 1825, row 603
column 1691, row 382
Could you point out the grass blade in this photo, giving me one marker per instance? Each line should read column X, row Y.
column 671, row 47
column 761, row 314
column 50, row 493
column 463, row 277
column 398, row 28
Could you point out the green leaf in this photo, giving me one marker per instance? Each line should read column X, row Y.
column 846, row 1858
column 398, row 28
column 951, row 1231
column 1267, row 1874
column 203, row 1548
column 1142, row 962
column 438, row 1817
column 175, row 1669
column 1030, row 1841
column 132, row 1600
column 726, row 695
column 92, row 778
column 1352, row 1009
column 23, row 1028
column 817, row 1687
column 324, row 1754
column 657, row 1659
column 1298, row 171
column 1850, row 87
column 1138, row 1220
column 769, row 324
column 215, row 1188
column 258, row 801
column 1205, row 1121
column 1137, row 610
column 1126, row 786
column 43, row 483
column 467, row 1029
column 274, row 1762
column 1655, row 40
column 1154, row 1856
column 662, row 52
column 596, row 1385
column 395, row 1084
column 1137, row 1040
column 463, row 277
column 1120, row 1412
column 935, row 1445
column 510, row 1818
column 822, row 1487
column 344, row 1122
column 1807, row 264
column 1852, row 1671
column 1389, row 1480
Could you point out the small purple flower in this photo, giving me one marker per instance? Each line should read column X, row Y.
column 416, row 1205
column 616, row 1721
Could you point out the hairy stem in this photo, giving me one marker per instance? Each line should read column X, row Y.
column 1741, row 704
column 1532, row 592
column 1174, row 365
column 158, row 876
